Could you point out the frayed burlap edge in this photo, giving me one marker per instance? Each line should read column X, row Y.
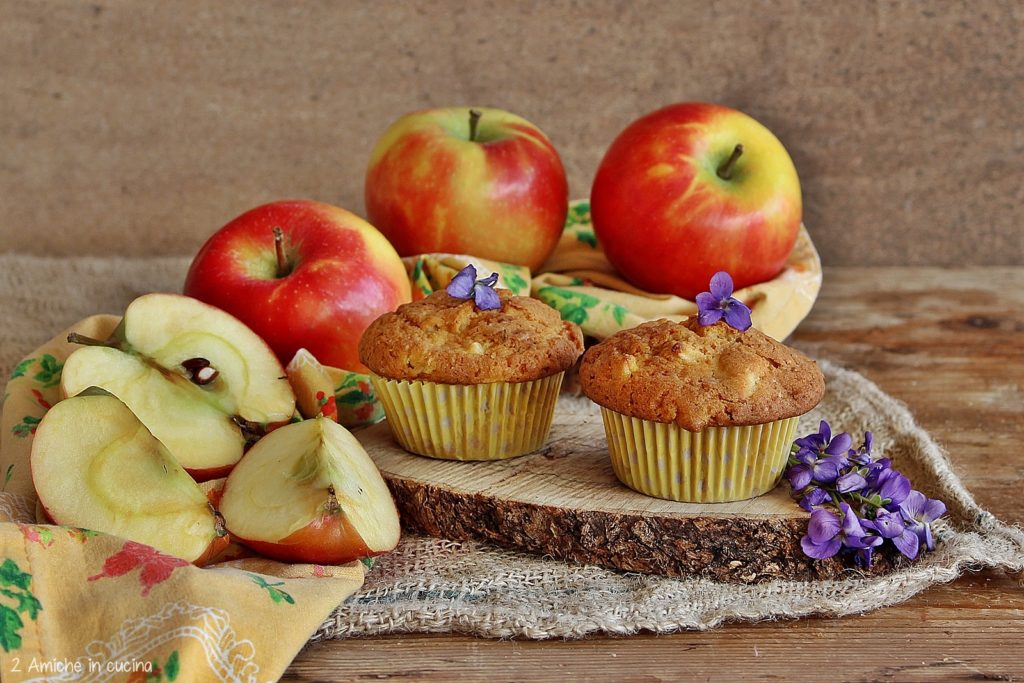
column 431, row 585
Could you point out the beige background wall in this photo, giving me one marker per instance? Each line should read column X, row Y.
column 141, row 127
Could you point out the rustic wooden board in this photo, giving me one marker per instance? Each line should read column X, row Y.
column 564, row 501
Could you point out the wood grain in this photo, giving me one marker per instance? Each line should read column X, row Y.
column 564, row 501
column 949, row 343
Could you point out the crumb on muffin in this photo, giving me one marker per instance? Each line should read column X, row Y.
column 448, row 340
column 699, row 377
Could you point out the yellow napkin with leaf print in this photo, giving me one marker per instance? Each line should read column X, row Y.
column 78, row 605
column 581, row 284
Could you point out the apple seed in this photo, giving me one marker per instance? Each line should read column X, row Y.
column 200, row 371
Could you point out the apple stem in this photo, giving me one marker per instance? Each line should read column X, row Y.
column 474, row 120
column 725, row 170
column 218, row 523
column 251, row 431
column 332, row 506
column 282, row 262
column 75, row 338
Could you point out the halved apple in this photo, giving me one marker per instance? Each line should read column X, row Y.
column 96, row 466
column 308, row 492
column 201, row 381
column 175, row 331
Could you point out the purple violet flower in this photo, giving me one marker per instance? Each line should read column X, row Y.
column 465, row 286
column 892, row 486
column 862, row 456
column 861, row 537
column 918, row 512
column 889, row 525
column 827, row 534
column 822, row 540
column 719, row 303
column 850, row 482
column 809, row 468
column 818, row 440
column 813, row 498
column 822, row 444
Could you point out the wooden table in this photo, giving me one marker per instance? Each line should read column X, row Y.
column 949, row 343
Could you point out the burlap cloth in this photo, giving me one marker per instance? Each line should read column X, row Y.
column 432, row 585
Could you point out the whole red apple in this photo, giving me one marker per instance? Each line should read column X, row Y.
column 693, row 189
column 470, row 181
column 301, row 274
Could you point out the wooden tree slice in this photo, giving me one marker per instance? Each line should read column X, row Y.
column 565, row 502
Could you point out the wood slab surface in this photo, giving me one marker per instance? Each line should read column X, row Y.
column 950, row 344
column 564, row 501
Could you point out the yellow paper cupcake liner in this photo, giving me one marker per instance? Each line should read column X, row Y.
column 717, row 465
column 469, row 421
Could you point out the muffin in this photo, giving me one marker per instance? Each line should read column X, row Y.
column 699, row 413
column 461, row 382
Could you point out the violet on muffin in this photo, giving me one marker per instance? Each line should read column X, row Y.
column 461, row 380
column 700, row 411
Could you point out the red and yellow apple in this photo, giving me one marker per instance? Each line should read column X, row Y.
column 301, row 274
column 692, row 189
column 469, row 181
column 308, row 492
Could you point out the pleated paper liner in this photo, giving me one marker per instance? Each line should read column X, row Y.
column 716, row 465
column 469, row 421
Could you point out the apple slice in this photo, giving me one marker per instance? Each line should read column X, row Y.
column 313, row 387
column 199, row 379
column 96, row 466
column 308, row 492
column 186, row 420
column 176, row 332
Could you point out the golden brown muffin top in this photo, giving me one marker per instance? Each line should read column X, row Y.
column 698, row 377
column 448, row 340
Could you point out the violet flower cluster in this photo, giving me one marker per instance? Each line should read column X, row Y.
column 857, row 502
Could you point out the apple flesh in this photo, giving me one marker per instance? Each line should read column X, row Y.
column 671, row 206
column 308, row 492
column 202, row 437
column 200, row 381
column 96, row 466
column 301, row 274
column 468, row 181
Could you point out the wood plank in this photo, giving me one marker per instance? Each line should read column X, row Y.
column 933, row 637
column 947, row 342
